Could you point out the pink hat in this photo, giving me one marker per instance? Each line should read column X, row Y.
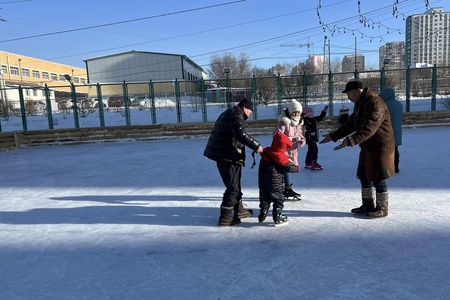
column 308, row 112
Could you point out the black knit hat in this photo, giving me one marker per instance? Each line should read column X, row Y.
column 353, row 85
column 246, row 103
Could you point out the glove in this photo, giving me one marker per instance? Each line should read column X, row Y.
column 325, row 108
column 302, row 142
column 296, row 139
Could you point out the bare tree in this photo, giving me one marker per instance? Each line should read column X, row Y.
column 266, row 85
column 239, row 67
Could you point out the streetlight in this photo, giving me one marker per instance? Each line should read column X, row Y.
column 386, row 60
column 227, row 96
column 74, row 100
column 20, row 70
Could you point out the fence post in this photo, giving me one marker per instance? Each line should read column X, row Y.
column 279, row 94
column 178, row 101
column 382, row 79
column 434, row 88
column 101, row 113
column 408, row 88
column 125, row 103
column 305, row 88
column 330, row 94
column 254, row 96
column 75, row 105
column 22, row 109
column 204, row 102
column 48, row 104
column 152, row 101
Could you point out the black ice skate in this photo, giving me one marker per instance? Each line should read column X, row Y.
column 278, row 218
column 290, row 195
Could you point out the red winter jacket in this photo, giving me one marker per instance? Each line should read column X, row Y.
column 274, row 163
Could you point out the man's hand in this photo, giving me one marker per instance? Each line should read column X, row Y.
column 326, row 139
column 341, row 145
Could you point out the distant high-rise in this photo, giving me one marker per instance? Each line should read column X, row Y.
column 316, row 63
column 428, row 39
column 392, row 56
column 352, row 62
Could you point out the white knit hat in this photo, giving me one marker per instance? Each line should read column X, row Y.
column 295, row 106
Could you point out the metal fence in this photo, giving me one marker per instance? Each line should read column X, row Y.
column 183, row 97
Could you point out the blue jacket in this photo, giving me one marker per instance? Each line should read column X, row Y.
column 396, row 112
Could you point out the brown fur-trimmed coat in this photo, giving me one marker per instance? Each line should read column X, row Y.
column 369, row 126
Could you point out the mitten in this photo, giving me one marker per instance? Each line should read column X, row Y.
column 303, row 142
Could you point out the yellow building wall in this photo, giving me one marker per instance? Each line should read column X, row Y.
column 22, row 63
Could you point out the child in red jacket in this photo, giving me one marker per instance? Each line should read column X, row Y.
column 274, row 163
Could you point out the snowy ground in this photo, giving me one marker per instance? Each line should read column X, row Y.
column 138, row 220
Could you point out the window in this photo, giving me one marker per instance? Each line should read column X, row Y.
column 25, row 72
column 4, row 69
column 36, row 74
column 76, row 80
column 54, row 76
column 35, row 92
column 62, row 78
column 14, row 71
column 45, row 75
column 27, row 92
column 83, row 81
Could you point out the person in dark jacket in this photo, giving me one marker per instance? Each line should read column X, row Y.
column 369, row 127
column 312, row 136
column 272, row 168
column 396, row 113
column 226, row 146
column 343, row 114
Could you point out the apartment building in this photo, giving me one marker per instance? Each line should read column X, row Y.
column 428, row 38
column 352, row 62
column 392, row 56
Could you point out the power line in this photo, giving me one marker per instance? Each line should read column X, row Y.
column 121, row 22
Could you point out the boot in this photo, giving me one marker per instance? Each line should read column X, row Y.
column 240, row 212
column 382, row 206
column 279, row 218
column 262, row 214
column 226, row 217
column 290, row 193
column 368, row 201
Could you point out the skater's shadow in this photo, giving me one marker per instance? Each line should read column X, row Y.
column 311, row 213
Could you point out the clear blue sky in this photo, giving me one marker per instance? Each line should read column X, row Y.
column 69, row 31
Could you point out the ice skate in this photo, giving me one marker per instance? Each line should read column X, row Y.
column 290, row 195
column 308, row 165
column 278, row 218
column 315, row 166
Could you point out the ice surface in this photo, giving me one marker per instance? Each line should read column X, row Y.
column 138, row 220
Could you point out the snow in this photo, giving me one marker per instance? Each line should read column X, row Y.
column 138, row 220
column 167, row 113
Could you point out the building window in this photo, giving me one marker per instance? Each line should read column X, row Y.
column 83, row 81
column 27, row 92
column 45, row 75
column 62, row 78
column 25, row 72
column 4, row 69
column 35, row 92
column 36, row 74
column 14, row 71
column 54, row 76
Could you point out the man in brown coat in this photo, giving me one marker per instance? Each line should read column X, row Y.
column 369, row 127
